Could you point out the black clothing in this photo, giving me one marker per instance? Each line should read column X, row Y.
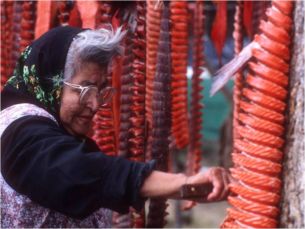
column 58, row 171
column 43, row 161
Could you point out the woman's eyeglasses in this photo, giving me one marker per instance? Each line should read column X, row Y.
column 88, row 93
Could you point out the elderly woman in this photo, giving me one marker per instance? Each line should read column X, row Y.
column 52, row 174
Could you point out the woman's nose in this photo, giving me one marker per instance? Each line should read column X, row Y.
column 93, row 104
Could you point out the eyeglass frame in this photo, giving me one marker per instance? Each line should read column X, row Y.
column 84, row 88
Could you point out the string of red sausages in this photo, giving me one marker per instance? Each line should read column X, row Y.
column 262, row 111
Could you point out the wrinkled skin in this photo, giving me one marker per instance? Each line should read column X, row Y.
column 219, row 178
column 77, row 118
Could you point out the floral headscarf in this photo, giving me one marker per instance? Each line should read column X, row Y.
column 38, row 75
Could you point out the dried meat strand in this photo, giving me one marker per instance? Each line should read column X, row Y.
column 153, row 20
column 104, row 133
column 8, row 42
column 74, row 16
column 195, row 146
column 248, row 17
column 4, row 22
column 258, row 14
column 27, row 23
column 219, row 27
column 179, row 49
column 104, row 16
column 126, row 97
column 88, row 11
column 261, row 129
column 238, row 82
column 161, row 117
column 104, row 125
column 238, row 45
column 197, row 87
column 137, row 118
column 16, row 32
column 123, row 79
column 65, row 8
column 43, row 17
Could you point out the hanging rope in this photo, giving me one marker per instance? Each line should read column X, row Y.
column 262, row 110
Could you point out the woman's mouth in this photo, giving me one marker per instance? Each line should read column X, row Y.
column 85, row 118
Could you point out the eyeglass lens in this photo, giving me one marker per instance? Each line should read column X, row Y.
column 103, row 97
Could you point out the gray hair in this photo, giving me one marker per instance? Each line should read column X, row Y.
column 97, row 46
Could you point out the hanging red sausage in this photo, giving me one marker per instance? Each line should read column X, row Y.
column 153, row 20
column 219, row 27
column 238, row 45
column 161, row 117
column 261, row 116
column 137, row 117
column 16, row 28
column 195, row 147
column 259, row 8
column 27, row 23
column 104, row 127
column 4, row 50
column 179, row 54
column 64, row 12
column 126, row 93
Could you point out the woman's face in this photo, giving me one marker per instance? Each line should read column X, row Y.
column 77, row 118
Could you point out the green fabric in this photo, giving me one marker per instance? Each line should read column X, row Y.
column 28, row 75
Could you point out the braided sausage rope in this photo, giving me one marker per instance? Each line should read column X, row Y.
column 104, row 14
column 238, row 44
column 27, row 23
column 262, row 108
column 161, row 117
column 126, row 96
column 179, row 53
column 11, row 15
column 7, row 32
column 104, row 130
column 137, row 118
column 258, row 14
column 196, row 106
column 195, row 147
column 9, row 37
column 16, row 32
column 64, row 12
column 153, row 21
column 4, row 56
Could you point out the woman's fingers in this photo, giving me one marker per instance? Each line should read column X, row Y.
column 218, row 177
column 215, row 178
column 226, row 181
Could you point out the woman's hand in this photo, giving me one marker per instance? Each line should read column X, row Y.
column 121, row 220
column 169, row 185
column 216, row 176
